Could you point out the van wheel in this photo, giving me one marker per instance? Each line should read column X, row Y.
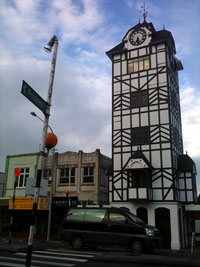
column 77, row 243
column 136, row 246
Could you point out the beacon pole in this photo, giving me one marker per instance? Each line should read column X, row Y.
column 52, row 43
column 17, row 174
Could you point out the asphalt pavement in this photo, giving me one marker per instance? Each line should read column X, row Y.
column 159, row 257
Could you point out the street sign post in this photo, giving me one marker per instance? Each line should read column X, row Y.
column 33, row 96
column 17, row 172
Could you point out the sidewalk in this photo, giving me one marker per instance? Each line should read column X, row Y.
column 160, row 257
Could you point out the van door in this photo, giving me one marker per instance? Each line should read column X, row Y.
column 121, row 230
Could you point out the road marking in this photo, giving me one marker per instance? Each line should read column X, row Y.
column 53, row 257
column 63, row 253
column 75, row 252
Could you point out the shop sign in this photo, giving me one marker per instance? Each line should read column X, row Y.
column 26, row 203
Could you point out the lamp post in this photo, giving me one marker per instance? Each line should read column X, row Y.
column 50, row 143
column 53, row 43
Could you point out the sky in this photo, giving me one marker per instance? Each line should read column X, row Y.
column 81, row 100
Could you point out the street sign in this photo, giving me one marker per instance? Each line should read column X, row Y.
column 33, row 96
column 26, row 203
column 30, row 187
column 17, row 172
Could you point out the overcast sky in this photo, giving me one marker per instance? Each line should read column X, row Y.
column 81, row 101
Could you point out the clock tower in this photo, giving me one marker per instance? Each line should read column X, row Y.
column 151, row 175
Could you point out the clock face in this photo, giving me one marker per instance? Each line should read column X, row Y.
column 137, row 37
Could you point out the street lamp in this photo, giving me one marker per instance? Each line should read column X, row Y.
column 53, row 43
column 35, row 115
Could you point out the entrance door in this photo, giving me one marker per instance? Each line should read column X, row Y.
column 162, row 219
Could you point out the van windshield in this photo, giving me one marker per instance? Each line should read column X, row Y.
column 134, row 218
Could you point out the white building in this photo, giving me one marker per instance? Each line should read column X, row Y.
column 151, row 175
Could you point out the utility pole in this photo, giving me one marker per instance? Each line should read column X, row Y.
column 52, row 43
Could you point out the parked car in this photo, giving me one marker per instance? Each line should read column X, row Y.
column 111, row 226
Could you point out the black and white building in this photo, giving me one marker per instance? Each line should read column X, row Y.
column 151, row 174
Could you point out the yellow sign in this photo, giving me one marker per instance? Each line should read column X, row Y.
column 26, row 203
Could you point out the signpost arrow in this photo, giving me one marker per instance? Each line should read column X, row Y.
column 33, row 96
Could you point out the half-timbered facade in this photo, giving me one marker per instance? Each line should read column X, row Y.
column 150, row 172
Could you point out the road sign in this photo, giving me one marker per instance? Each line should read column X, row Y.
column 33, row 96
column 17, row 172
column 30, row 187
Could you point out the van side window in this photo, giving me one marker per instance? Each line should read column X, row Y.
column 76, row 214
column 117, row 218
column 94, row 215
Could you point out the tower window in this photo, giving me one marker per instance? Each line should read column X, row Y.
column 138, row 64
column 140, row 135
column 139, row 99
column 88, row 175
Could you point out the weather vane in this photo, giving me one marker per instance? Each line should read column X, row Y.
column 144, row 10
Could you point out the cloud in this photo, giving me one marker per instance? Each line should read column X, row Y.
column 190, row 106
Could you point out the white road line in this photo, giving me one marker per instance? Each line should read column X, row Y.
column 53, row 257
column 63, row 253
column 34, row 261
column 75, row 252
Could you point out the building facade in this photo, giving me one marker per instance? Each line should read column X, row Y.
column 151, row 175
column 83, row 175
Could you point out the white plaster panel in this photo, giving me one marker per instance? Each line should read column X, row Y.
column 116, row 197
column 153, row 49
column 162, row 78
column 166, row 159
column 116, row 113
column 153, row 61
column 155, row 146
column 143, row 80
column 117, row 161
column 146, row 154
column 164, row 116
column 170, row 195
column 144, row 119
column 126, row 112
column 126, row 122
column 161, row 57
column 125, row 195
column 132, row 192
column 155, row 158
column 125, row 87
column 116, row 88
column 117, row 149
column 133, row 53
column 143, row 109
column 118, row 184
column 134, row 82
column 181, row 174
column 154, row 117
column 117, row 125
column 126, row 149
column 157, row 183
column 157, row 194
column 126, row 157
column 153, row 107
column 167, row 183
column 188, row 183
column 116, row 69
column 142, row 52
column 124, row 67
column 189, row 196
column 188, row 174
column 153, row 82
column 135, row 120
column 166, row 145
column 142, row 192
column 123, row 56
column 116, row 57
